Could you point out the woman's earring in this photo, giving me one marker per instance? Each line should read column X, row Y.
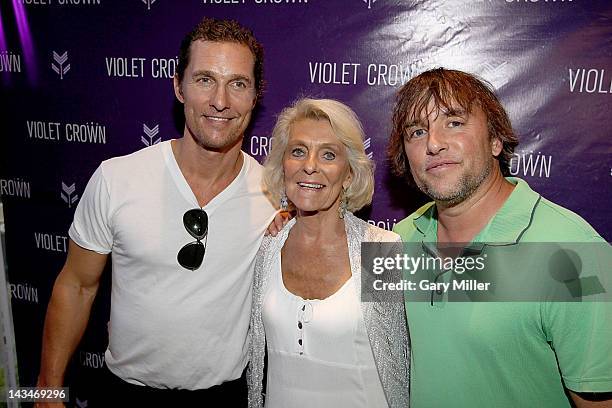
column 343, row 204
column 283, row 202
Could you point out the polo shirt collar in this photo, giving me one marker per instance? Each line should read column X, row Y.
column 513, row 218
column 506, row 226
column 427, row 223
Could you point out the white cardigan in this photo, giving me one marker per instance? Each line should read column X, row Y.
column 385, row 321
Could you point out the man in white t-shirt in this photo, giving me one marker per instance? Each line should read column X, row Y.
column 183, row 220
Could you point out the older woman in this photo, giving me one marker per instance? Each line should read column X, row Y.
column 325, row 347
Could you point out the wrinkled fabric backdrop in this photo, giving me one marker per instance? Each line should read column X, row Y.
column 86, row 80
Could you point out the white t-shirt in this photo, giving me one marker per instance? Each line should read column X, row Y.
column 171, row 327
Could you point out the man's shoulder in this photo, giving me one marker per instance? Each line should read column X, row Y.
column 252, row 186
column 559, row 224
column 406, row 228
column 135, row 160
column 253, row 167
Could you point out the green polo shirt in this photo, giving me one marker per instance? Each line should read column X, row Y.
column 508, row 354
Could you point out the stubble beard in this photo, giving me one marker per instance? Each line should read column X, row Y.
column 466, row 186
column 219, row 145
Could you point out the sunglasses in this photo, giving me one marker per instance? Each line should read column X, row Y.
column 192, row 254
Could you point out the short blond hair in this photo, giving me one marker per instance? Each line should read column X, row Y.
column 348, row 130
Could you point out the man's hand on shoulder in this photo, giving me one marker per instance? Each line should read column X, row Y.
column 280, row 220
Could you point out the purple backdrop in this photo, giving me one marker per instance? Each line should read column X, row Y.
column 85, row 80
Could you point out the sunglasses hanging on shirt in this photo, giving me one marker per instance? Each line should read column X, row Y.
column 192, row 254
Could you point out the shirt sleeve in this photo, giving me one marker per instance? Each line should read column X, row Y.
column 581, row 336
column 90, row 228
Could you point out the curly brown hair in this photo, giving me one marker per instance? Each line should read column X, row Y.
column 210, row 29
column 447, row 88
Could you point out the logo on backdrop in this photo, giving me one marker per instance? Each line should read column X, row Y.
column 91, row 359
column 387, row 223
column 374, row 74
column 81, row 404
column 67, row 194
column 23, row 291
column 261, row 145
column 369, row 3
column 583, row 80
column 60, row 3
column 140, row 67
column 51, row 242
column 15, row 188
column 88, row 132
column 495, row 73
column 366, row 145
column 150, row 133
column 58, row 64
column 10, row 62
column 148, row 3
column 528, row 164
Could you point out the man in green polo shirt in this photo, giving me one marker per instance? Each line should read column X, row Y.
column 453, row 139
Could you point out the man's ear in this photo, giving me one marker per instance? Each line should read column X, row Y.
column 178, row 91
column 496, row 146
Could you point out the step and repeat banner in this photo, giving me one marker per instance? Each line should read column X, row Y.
column 86, row 80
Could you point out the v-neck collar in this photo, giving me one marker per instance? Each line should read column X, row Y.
column 183, row 186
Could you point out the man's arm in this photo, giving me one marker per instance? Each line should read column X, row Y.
column 592, row 400
column 68, row 311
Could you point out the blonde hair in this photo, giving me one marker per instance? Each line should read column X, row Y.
column 346, row 127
